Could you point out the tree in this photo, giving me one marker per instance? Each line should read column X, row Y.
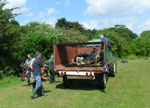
column 145, row 34
column 63, row 23
column 38, row 37
column 9, row 33
column 124, row 32
column 120, row 46
column 140, row 46
column 71, row 36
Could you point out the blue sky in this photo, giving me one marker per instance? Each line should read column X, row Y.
column 98, row 14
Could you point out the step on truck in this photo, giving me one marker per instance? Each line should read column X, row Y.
column 88, row 60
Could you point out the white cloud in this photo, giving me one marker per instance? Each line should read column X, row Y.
column 46, row 13
column 67, row 2
column 15, row 3
column 22, row 10
column 100, row 8
column 52, row 21
column 57, row 3
column 41, row 15
column 131, row 22
column 30, row 14
column 51, row 10
column 25, row 11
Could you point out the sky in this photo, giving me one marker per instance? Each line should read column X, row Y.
column 98, row 14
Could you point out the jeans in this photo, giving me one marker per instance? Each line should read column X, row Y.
column 38, row 81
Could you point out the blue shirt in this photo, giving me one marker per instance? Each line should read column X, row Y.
column 105, row 39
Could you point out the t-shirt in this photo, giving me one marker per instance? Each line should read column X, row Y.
column 32, row 61
column 37, row 65
column 51, row 63
column 105, row 39
column 27, row 63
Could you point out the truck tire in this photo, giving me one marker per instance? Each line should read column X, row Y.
column 113, row 68
column 102, row 80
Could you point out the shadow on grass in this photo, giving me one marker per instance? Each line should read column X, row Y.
column 47, row 91
column 31, row 84
column 82, row 85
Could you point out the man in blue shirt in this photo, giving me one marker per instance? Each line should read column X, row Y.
column 104, row 38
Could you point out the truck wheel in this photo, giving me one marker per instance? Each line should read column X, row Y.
column 113, row 69
column 66, row 82
column 102, row 80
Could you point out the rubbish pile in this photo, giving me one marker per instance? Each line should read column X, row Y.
column 91, row 58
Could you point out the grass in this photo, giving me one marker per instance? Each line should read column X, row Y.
column 129, row 89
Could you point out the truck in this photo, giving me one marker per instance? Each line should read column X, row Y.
column 84, row 60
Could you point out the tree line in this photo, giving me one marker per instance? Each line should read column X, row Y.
column 16, row 41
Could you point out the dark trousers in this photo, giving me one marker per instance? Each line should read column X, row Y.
column 28, row 76
column 52, row 76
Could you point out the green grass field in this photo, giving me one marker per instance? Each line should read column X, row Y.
column 129, row 89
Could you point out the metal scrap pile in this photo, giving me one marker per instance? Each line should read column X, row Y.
column 91, row 58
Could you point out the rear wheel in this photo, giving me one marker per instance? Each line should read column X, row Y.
column 102, row 80
column 113, row 69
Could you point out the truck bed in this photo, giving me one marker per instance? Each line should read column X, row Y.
column 64, row 53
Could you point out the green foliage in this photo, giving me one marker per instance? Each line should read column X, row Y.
column 63, row 23
column 9, row 81
column 9, row 33
column 120, row 46
column 38, row 38
column 140, row 46
column 145, row 34
column 71, row 36
column 122, row 31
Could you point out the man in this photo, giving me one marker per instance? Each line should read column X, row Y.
column 51, row 68
column 27, row 65
column 104, row 38
column 37, row 72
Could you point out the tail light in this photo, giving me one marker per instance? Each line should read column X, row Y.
column 61, row 73
column 91, row 74
column 64, row 73
column 87, row 74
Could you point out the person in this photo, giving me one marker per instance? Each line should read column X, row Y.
column 103, row 38
column 31, row 66
column 51, row 68
column 37, row 65
column 29, row 70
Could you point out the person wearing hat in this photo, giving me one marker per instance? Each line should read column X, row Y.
column 37, row 65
